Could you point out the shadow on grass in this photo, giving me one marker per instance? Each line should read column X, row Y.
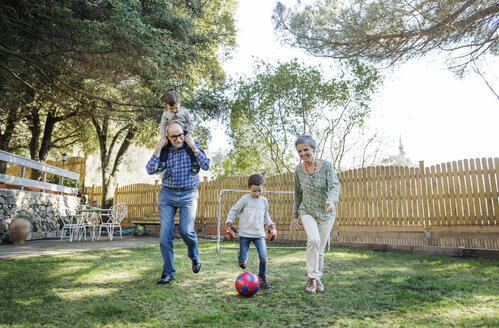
column 363, row 288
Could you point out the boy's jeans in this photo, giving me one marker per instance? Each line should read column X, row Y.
column 186, row 203
column 261, row 247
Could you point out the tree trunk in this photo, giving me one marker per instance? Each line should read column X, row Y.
column 34, row 143
column 108, row 174
column 13, row 118
column 48, row 131
column 111, row 182
column 36, row 130
column 40, row 150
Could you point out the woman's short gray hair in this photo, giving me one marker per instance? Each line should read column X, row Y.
column 308, row 139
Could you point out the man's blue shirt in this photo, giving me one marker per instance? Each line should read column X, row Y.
column 177, row 169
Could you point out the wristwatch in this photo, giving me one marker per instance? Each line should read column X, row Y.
column 196, row 152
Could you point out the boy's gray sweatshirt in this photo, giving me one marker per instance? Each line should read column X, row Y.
column 253, row 213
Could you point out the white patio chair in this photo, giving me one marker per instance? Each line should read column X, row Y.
column 67, row 224
column 74, row 224
column 113, row 220
column 93, row 223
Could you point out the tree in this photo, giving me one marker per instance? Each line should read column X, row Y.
column 53, row 48
column 107, row 63
column 168, row 43
column 392, row 31
column 281, row 102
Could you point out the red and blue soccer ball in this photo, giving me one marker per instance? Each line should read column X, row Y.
column 247, row 284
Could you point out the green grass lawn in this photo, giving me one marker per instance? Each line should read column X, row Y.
column 117, row 288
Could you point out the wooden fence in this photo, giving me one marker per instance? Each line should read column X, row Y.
column 448, row 205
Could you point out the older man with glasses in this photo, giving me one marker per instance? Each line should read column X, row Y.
column 179, row 192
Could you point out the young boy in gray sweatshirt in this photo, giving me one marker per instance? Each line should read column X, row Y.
column 253, row 212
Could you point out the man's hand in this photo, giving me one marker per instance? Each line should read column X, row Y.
column 330, row 206
column 231, row 231
column 272, row 233
column 161, row 143
column 294, row 226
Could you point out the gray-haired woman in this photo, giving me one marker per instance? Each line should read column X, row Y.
column 316, row 193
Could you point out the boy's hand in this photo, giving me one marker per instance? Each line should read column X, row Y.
column 272, row 233
column 230, row 230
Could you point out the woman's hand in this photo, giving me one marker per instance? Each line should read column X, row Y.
column 330, row 206
column 294, row 226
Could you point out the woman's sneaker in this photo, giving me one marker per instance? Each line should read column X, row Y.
column 319, row 287
column 263, row 282
column 311, row 286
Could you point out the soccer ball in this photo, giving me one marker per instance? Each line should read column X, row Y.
column 247, row 284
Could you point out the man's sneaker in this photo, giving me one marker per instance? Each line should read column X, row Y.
column 242, row 264
column 263, row 282
column 196, row 265
column 165, row 279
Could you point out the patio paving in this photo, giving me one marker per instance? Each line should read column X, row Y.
column 56, row 246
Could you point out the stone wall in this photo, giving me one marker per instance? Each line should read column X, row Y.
column 43, row 210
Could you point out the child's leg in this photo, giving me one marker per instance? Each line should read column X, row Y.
column 194, row 160
column 261, row 248
column 163, row 155
column 244, row 245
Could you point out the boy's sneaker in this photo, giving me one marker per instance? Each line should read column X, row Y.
column 263, row 282
column 242, row 264
column 195, row 168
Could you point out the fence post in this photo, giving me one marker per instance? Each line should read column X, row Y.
column 424, row 194
column 155, row 196
column 83, row 171
column 116, row 194
column 204, row 202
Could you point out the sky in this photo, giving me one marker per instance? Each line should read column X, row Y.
column 439, row 117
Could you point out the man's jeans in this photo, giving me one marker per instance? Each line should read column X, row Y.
column 186, row 203
column 261, row 247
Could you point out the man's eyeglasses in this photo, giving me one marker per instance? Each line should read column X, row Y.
column 176, row 136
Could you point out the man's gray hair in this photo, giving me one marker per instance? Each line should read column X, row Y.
column 308, row 139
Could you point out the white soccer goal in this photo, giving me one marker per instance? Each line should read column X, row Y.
column 233, row 201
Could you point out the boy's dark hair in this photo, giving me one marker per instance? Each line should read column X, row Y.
column 172, row 98
column 255, row 180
